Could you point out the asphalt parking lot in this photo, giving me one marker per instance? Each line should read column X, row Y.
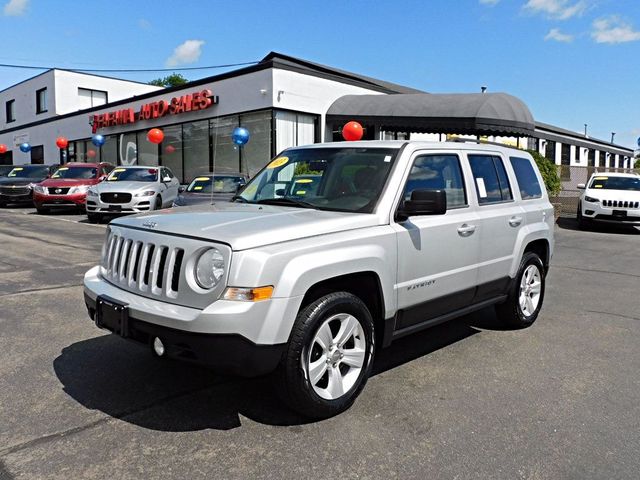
column 462, row 400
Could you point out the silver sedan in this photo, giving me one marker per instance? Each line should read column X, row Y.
column 132, row 190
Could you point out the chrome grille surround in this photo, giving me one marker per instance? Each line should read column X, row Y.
column 158, row 265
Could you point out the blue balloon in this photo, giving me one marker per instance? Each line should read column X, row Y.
column 25, row 147
column 240, row 135
column 98, row 140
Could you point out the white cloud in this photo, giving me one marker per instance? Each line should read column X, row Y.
column 613, row 30
column 187, row 52
column 558, row 36
column 489, row 2
column 557, row 9
column 15, row 8
column 144, row 24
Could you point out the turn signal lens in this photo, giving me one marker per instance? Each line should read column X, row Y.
column 248, row 294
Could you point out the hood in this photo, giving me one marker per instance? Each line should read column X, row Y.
column 7, row 181
column 245, row 226
column 107, row 186
column 68, row 182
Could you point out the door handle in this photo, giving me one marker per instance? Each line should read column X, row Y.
column 466, row 230
column 515, row 221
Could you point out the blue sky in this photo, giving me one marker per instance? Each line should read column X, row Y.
column 571, row 61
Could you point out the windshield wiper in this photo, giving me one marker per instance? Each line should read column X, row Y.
column 286, row 201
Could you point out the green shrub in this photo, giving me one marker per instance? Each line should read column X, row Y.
column 637, row 164
column 549, row 172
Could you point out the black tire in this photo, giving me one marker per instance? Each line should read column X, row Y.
column 292, row 376
column 583, row 223
column 42, row 211
column 94, row 217
column 510, row 312
column 158, row 205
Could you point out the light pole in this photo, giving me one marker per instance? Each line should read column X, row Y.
column 483, row 88
column 585, row 129
column 613, row 134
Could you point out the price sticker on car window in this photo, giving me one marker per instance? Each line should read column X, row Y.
column 304, row 180
column 482, row 190
column 198, row 187
column 202, row 179
column 278, row 162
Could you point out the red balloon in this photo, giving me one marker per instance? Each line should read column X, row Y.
column 91, row 154
column 62, row 142
column 170, row 149
column 352, row 131
column 155, row 135
column 3, row 148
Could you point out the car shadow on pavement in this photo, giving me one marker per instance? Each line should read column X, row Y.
column 567, row 223
column 125, row 381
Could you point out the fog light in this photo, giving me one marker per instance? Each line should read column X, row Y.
column 158, row 347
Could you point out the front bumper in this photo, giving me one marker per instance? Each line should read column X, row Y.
column 136, row 205
column 597, row 212
column 76, row 200
column 22, row 198
column 241, row 338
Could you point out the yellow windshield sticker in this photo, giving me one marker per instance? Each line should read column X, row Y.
column 278, row 162
column 597, row 186
column 63, row 168
column 202, row 179
column 304, row 180
column 197, row 188
column 601, row 178
column 118, row 170
column 17, row 169
column 301, row 192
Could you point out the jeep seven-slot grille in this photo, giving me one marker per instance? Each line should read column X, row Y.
column 620, row 204
column 143, row 266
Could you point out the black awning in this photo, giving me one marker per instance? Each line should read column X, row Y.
column 437, row 113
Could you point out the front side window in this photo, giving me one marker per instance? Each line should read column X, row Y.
column 338, row 179
column 41, row 100
column 526, row 177
column 490, row 178
column 76, row 172
column 133, row 175
column 438, row 172
column 10, row 110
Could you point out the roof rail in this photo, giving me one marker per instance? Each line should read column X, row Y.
column 481, row 142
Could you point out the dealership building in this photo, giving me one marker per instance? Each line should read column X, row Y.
column 283, row 102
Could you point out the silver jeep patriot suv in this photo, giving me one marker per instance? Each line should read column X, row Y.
column 329, row 253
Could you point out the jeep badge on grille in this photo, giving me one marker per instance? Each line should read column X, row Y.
column 150, row 224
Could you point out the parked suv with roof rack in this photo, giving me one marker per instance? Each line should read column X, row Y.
column 309, row 283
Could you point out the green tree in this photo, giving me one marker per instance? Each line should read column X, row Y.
column 173, row 80
column 637, row 164
column 549, row 172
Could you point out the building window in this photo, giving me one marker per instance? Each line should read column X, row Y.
column 11, row 111
column 41, row 100
column 37, row 154
column 91, row 98
column 592, row 157
column 565, row 154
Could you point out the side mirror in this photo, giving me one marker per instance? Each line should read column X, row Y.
column 166, row 179
column 581, row 186
column 239, row 186
column 181, row 189
column 424, row 202
column 280, row 192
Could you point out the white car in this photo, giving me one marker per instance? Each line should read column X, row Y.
column 132, row 190
column 612, row 198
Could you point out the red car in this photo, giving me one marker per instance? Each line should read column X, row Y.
column 68, row 186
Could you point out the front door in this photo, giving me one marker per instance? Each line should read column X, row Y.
column 437, row 254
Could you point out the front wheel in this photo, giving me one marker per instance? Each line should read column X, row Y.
column 158, row 203
column 94, row 217
column 524, row 302
column 42, row 211
column 329, row 356
column 583, row 223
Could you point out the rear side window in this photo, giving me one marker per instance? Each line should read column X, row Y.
column 490, row 178
column 526, row 177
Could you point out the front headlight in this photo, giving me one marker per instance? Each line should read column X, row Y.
column 146, row 193
column 209, row 268
column 92, row 193
column 39, row 189
column 79, row 189
column 590, row 199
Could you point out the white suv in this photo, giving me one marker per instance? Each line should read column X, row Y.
column 331, row 252
column 612, row 198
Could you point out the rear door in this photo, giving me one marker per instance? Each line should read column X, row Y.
column 500, row 218
column 437, row 254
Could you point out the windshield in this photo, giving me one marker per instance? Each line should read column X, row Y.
column 29, row 172
column 220, row 184
column 76, row 172
column 5, row 169
column 616, row 183
column 133, row 175
column 340, row 179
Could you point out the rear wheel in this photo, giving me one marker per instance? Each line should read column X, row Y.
column 524, row 302
column 329, row 356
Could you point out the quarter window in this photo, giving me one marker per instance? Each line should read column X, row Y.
column 41, row 100
column 438, row 172
column 490, row 177
column 526, row 177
